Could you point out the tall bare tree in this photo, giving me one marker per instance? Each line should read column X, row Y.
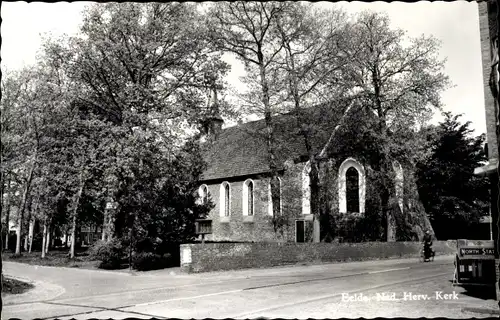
column 312, row 60
column 20, row 136
column 401, row 83
column 245, row 30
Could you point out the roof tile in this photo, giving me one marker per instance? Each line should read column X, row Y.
column 242, row 150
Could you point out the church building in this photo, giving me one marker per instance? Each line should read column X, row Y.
column 237, row 180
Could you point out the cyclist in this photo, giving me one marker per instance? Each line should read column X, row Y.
column 427, row 245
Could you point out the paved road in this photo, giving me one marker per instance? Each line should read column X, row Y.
column 387, row 288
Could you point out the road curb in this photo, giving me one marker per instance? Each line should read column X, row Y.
column 36, row 266
column 27, row 280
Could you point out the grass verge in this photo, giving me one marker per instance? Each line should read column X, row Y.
column 13, row 286
column 55, row 258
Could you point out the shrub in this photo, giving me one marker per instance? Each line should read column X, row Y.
column 144, row 261
column 13, row 286
column 58, row 242
column 110, row 253
column 356, row 227
column 145, row 245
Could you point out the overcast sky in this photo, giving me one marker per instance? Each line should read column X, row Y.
column 456, row 24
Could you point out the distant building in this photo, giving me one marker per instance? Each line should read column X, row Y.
column 488, row 26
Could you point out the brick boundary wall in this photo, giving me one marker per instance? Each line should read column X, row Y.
column 230, row 256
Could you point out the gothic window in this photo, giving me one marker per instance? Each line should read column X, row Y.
column 352, row 190
column 248, row 198
column 306, row 189
column 271, row 200
column 203, row 192
column 225, row 199
column 351, row 186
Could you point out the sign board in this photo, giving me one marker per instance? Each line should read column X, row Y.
column 477, row 251
column 475, row 262
column 203, row 226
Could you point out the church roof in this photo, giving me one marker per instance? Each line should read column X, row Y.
column 242, row 150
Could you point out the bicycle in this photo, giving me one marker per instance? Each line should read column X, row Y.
column 429, row 257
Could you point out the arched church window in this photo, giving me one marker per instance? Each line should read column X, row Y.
column 248, row 198
column 203, row 192
column 225, row 199
column 351, row 186
column 352, row 189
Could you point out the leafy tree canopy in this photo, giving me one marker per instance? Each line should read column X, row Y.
column 448, row 188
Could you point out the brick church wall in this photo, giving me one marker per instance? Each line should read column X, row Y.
column 237, row 227
column 258, row 228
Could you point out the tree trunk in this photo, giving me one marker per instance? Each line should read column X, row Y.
column 47, row 242
column 73, row 238
column 103, row 238
column 44, row 238
column 7, row 217
column 75, row 212
column 23, row 206
column 384, row 164
column 26, row 238
column 53, row 239
column 391, row 230
column 275, row 183
column 18, row 235
column 30, row 234
column 386, row 194
column 314, row 200
column 32, row 224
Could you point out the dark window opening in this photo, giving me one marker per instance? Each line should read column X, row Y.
column 352, row 190
column 300, row 231
column 226, row 199
column 250, row 198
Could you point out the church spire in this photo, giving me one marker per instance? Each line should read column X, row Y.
column 211, row 125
